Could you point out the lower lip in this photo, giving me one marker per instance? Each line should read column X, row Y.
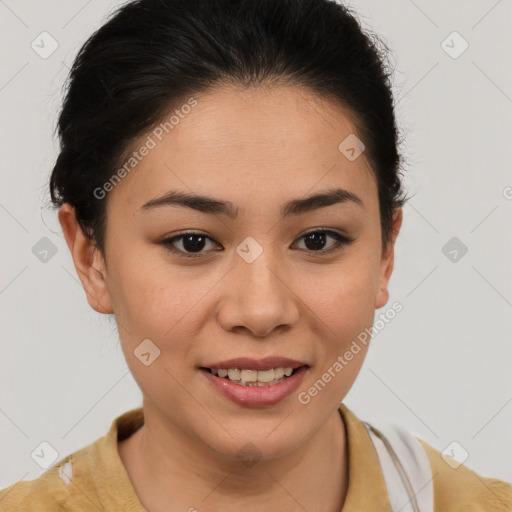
column 256, row 396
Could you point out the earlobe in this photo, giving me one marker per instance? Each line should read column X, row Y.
column 381, row 298
column 88, row 261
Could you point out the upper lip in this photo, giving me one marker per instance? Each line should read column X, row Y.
column 247, row 363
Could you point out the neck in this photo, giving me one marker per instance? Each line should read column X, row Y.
column 170, row 470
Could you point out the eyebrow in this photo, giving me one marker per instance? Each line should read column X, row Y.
column 211, row 205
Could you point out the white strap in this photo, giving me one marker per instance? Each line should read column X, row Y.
column 405, row 468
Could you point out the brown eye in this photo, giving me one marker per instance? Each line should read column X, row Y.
column 315, row 241
column 192, row 244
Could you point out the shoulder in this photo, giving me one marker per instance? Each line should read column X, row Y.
column 81, row 481
column 458, row 488
column 63, row 486
column 46, row 493
column 437, row 479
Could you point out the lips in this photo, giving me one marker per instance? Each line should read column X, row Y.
column 256, row 396
column 250, row 391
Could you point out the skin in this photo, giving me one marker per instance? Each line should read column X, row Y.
column 257, row 148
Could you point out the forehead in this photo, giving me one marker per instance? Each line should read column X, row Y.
column 247, row 144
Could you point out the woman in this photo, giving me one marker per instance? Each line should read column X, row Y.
column 229, row 188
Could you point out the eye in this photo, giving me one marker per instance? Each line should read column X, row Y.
column 193, row 243
column 315, row 240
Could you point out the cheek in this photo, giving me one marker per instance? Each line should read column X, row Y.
column 343, row 297
column 150, row 295
column 343, row 307
column 169, row 306
column 151, row 304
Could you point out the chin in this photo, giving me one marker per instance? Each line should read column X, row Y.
column 266, row 439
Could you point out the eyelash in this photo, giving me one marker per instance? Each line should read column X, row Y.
column 340, row 242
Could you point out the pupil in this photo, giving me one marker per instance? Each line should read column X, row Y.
column 316, row 239
column 191, row 246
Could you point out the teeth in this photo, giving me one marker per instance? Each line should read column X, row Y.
column 254, row 377
column 266, row 376
column 248, row 376
column 234, row 374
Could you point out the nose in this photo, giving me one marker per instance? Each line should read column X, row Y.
column 258, row 297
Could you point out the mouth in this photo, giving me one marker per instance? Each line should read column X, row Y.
column 250, row 378
column 255, row 383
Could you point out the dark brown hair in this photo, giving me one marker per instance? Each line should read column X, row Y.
column 151, row 54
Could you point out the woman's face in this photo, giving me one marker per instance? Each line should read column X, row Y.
column 249, row 284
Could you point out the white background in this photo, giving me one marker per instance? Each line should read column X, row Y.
column 441, row 368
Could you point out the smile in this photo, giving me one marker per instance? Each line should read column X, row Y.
column 255, row 388
column 254, row 377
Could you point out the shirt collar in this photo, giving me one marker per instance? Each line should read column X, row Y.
column 366, row 488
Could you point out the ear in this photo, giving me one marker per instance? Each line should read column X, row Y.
column 88, row 260
column 387, row 262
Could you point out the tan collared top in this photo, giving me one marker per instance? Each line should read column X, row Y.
column 94, row 479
